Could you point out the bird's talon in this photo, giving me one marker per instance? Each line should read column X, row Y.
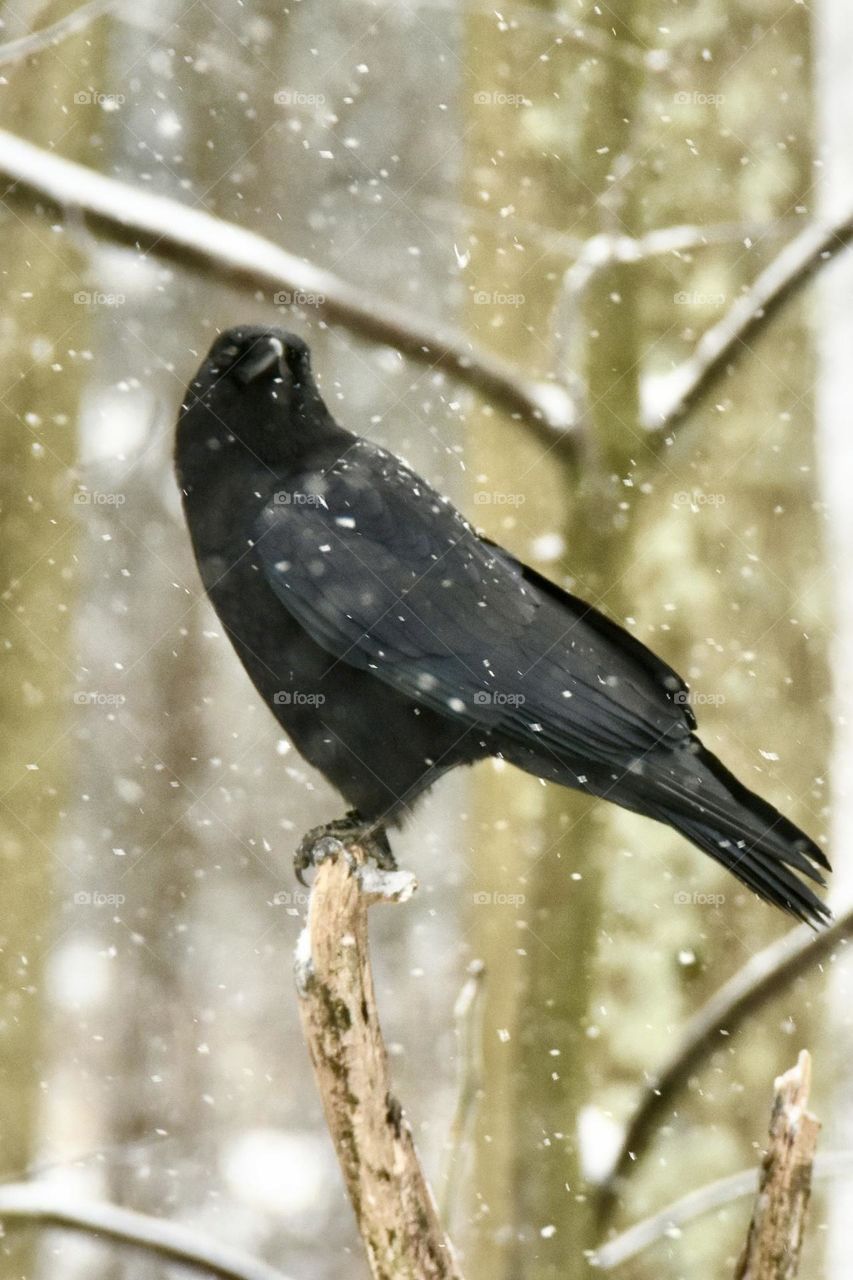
column 329, row 840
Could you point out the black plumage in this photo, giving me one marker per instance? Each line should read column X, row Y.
column 393, row 643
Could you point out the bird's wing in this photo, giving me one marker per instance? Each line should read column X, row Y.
column 387, row 576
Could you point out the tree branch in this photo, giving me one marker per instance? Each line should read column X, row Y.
column 762, row 977
column 193, row 239
column 608, row 249
column 37, row 1202
column 393, row 1203
column 597, row 40
column 793, row 267
column 467, row 1013
column 775, row 1237
column 714, row 1195
column 37, row 41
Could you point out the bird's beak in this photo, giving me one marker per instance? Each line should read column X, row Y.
column 262, row 357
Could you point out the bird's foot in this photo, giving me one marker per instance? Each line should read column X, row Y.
column 325, row 841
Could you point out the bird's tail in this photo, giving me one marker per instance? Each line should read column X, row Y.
column 698, row 796
column 694, row 793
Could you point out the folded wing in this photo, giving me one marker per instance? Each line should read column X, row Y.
column 387, row 576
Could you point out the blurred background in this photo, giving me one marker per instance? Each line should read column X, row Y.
column 455, row 160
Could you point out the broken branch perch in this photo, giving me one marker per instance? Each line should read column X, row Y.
column 393, row 1203
column 772, row 1250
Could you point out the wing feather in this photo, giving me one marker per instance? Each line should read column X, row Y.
column 387, row 576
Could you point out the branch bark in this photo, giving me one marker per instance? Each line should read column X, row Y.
column 35, row 1202
column 793, row 267
column 775, row 1238
column 762, row 977
column 393, row 1203
column 194, row 239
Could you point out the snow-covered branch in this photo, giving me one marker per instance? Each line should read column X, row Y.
column 36, row 1202
column 792, row 268
column 393, row 1203
column 195, row 239
column 45, row 38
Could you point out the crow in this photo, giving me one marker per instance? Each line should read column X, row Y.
column 393, row 642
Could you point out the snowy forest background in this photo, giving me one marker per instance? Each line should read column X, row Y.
column 454, row 160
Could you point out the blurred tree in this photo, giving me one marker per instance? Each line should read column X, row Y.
column 43, row 333
column 834, row 50
column 532, row 136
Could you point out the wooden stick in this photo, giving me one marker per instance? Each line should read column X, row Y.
column 772, row 1250
column 393, row 1203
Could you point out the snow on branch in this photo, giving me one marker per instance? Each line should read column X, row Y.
column 393, row 1203
column 792, row 268
column 35, row 1202
column 159, row 225
column 46, row 37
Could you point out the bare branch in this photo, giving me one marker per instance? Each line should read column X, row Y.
column 607, row 249
column 762, row 977
column 669, row 1221
column 37, row 1202
column 775, row 1237
column 467, row 1013
column 564, row 28
column 159, row 225
column 393, row 1203
column 37, row 41
column 792, row 268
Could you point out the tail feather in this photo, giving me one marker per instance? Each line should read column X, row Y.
column 700, row 798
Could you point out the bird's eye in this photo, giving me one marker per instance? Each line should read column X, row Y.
column 230, row 352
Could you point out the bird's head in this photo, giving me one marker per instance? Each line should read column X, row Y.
column 264, row 359
column 256, row 383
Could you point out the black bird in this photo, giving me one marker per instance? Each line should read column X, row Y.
column 393, row 643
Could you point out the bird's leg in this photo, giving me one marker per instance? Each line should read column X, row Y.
column 350, row 828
